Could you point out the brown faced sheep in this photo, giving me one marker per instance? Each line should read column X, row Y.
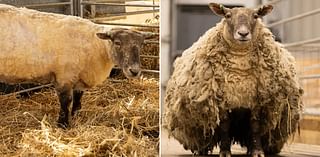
column 235, row 84
column 72, row 53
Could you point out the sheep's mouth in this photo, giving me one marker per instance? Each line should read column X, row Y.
column 131, row 74
column 243, row 40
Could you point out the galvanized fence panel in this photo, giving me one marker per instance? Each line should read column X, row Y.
column 304, row 45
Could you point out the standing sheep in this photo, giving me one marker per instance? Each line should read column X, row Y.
column 72, row 53
column 234, row 85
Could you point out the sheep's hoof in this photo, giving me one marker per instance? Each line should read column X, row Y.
column 63, row 124
column 225, row 153
column 201, row 152
column 74, row 111
column 257, row 153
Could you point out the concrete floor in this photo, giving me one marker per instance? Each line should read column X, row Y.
column 172, row 148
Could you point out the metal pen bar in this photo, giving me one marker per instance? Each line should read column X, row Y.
column 142, row 70
column 312, row 111
column 316, row 76
column 125, row 24
column 302, row 42
column 273, row 2
column 81, row 9
column 312, row 67
column 47, row 5
column 149, row 56
column 152, row 33
column 29, row 89
column 153, row 8
column 151, row 42
column 116, row 4
column 127, row 14
column 151, row 71
column 71, row 7
column 316, row 11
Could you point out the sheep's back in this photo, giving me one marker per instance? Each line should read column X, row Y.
column 35, row 44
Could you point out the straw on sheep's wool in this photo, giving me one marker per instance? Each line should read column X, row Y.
column 209, row 80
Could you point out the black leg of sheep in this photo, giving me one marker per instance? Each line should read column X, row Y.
column 65, row 99
column 76, row 105
column 225, row 139
column 274, row 141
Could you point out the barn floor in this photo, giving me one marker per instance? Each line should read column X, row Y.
column 172, row 148
column 116, row 119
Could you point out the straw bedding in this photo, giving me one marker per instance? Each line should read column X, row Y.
column 117, row 119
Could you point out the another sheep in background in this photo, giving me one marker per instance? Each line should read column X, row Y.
column 72, row 53
column 235, row 84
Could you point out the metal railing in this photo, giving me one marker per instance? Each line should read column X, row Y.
column 300, row 16
column 83, row 3
column 47, row 5
column 126, row 24
column 307, row 57
column 116, row 4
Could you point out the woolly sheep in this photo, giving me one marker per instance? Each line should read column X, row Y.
column 72, row 53
column 235, row 84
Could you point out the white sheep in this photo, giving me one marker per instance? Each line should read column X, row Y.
column 72, row 53
column 235, row 84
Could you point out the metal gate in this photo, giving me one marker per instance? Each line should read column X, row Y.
column 296, row 24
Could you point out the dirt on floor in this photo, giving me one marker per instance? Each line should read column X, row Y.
column 118, row 118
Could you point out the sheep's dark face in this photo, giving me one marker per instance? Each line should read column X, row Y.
column 125, row 49
column 240, row 22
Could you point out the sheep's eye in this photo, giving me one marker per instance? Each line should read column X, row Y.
column 117, row 42
column 228, row 15
column 255, row 15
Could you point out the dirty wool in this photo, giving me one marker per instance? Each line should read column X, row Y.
column 210, row 79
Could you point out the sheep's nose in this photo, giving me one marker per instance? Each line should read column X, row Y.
column 134, row 72
column 243, row 33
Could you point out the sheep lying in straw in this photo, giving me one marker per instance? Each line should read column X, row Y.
column 69, row 52
column 235, row 84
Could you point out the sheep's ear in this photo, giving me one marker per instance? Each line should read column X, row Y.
column 218, row 9
column 264, row 10
column 105, row 36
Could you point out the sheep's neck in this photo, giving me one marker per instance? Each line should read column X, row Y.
column 238, row 49
column 239, row 52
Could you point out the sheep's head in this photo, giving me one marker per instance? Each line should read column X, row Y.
column 240, row 23
column 126, row 46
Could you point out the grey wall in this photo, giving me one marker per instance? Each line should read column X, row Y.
column 193, row 21
column 298, row 30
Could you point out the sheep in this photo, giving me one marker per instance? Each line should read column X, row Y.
column 236, row 84
column 72, row 53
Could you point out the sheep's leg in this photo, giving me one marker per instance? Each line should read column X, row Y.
column 257, row 150
column 225, row 143
column 76, row 105
column 65, row 99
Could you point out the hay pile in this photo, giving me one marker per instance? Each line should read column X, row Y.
column 211, row 79
column 117, row 119
column 151, row 49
